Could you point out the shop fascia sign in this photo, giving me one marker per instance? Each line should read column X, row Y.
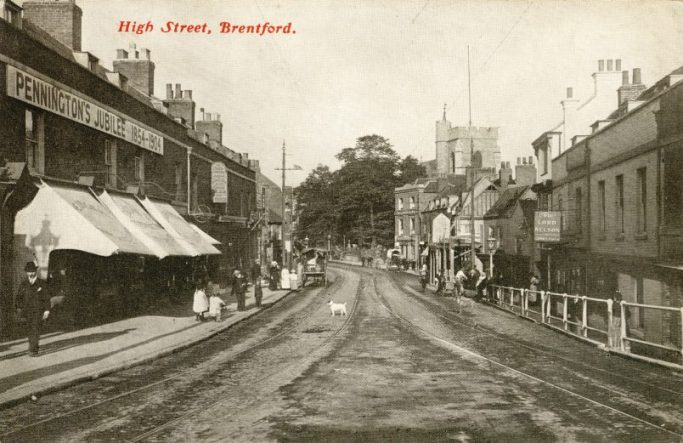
column 54, row 97
column 547, row 226
column 219, row 182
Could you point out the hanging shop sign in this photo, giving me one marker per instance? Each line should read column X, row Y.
column 547, row 226
column 51, row 96
column 219, row 182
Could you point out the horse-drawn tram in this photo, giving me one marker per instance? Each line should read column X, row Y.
column 315, row 266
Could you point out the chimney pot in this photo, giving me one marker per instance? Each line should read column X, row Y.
column 146, row 53
column 601, row 65
column 617, row 64
column 531, row 160
column 169, row 91
column 609, row 64
column 519, row 161
column 121, row 54
column 218, row 117
column 178, row 92
column 624, row 78
column 187, row 94
column 208, row 116
column 636, row 76
column 507, row 165
column 570, row 92
column 502, row 165
column 524, row 160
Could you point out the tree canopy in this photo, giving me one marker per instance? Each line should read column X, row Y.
column 356, row 201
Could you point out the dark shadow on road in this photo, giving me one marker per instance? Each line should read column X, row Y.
column 24, row 377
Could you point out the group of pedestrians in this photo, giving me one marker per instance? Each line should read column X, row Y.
column 478, row 280
column 208, row 305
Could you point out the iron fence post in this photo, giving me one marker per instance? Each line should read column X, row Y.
column 584, row 330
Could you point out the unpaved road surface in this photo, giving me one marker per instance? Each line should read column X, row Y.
column 401, row 366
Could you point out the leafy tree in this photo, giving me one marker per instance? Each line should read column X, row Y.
column 316, row 199
column 356, row 201
column 411, row 170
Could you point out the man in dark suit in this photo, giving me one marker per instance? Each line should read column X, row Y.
column 36, row 305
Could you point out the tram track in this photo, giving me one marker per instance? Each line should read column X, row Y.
column 298, row 321
column 436, row 309
column 256, row 396
column 462, row 349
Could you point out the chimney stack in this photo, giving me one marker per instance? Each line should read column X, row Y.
column 211, row 125
column 140, row 72
column 631, row 91
column 62, row 19
column 636, row 76
column 525, row 173
column 180, row 104
column 505, row 174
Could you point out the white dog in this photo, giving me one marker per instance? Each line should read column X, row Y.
column 337, row 308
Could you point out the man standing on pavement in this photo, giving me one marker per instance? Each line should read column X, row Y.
column 256, row 278
column 36, row 305
column 240, row 286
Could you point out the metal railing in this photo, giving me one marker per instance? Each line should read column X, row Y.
column 598, row 321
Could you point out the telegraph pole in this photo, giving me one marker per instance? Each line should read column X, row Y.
column 284, row 221
column 473, row 256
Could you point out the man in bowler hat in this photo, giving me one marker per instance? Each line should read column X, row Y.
column 36, row 305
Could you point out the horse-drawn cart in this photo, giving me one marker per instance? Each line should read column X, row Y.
column 315, row 266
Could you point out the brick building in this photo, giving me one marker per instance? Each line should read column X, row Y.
column 619, row 193
column 510, row 222
column 84, row 130
column 411, row 202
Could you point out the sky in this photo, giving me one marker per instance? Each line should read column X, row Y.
column 386, row 67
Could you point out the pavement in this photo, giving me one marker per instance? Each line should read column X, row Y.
column 68, row 358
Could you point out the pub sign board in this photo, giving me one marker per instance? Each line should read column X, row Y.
column 547, row 226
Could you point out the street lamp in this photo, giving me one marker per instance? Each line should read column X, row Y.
column 492, row 245
column 329, row 237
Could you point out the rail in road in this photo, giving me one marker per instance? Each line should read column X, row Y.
column 292, row 323
column 635, row 398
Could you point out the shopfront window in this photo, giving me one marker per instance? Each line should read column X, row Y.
column 140, row 168
column 110, row 162
column 34, row 127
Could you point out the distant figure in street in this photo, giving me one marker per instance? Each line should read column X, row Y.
column 240, row 289
column 440, row 283
column 255, row 272
column 233, row 282
column 274, row 276
column 481, row 286
column 615, row 336
column 284, row 279
column 533, row 288
column 460, row 278
column 36, row 305
column 216, row 305
column 200, row 303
